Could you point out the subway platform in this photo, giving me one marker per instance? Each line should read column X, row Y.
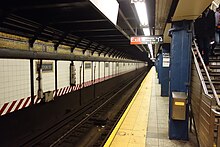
column 145, row 122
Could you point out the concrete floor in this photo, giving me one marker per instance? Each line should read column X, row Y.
column 157, row 130
column 145, row 122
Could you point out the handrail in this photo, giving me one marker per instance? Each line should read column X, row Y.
column 200, row 75
column 216, row 112
column 207, row 74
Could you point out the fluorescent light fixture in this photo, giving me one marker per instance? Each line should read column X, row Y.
column 108, row 7
column 151, row 50
column 142, row 13
column 146, row 31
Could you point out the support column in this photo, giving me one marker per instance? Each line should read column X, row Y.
column 83, row 74
column 160, row 67
column 92, row 80
column 104, row 70
column 55, row 78
column 32, row 80
column 99, row 71
column 94, row 83
column 165, row 70
column 180, row 71
column 80, row 85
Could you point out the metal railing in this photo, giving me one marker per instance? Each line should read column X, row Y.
column 214, row 114
column 207, row 74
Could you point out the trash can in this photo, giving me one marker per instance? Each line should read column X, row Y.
column 179, row 100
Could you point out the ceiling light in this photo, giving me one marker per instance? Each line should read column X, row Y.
column 146, row 31
column 143, row 18
column 142, row 12
column 151, row 50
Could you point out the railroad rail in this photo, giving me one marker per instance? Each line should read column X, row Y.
column 93, row 123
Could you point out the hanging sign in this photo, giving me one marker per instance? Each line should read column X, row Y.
column 146, row 40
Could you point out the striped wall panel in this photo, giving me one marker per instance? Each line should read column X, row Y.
column 25, row 102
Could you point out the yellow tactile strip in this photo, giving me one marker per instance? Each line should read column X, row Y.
column 131, row 129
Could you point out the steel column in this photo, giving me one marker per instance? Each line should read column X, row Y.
column 99, row 70
column 83, row 73
column 56, row 78
column 32, row 80
column 180, row 70
column 104, row 70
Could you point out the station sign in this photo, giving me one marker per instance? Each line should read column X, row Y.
column 146, row 40
column 46, row 66
column 166, row 60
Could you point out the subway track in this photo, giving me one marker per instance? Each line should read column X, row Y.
column 92, row 124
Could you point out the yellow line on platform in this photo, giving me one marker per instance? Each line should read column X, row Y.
column 114, row 132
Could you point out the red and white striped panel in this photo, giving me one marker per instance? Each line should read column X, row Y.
column 16, row 105
column 25, row 102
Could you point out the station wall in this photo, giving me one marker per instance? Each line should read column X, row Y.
column 15, row 87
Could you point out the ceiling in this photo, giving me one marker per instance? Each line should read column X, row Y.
column 190, row 9
column 76, row 23
column 168, row 11
column 79, row 24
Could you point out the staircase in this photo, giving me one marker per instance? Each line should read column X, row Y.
column 214, row 62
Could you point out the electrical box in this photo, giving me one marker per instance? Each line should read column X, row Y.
column 179, row 100
column 48, row 96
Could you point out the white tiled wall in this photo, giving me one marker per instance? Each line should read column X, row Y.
column 101, row 69
column 87, row 72
column 106, row 69
column 96, row 68
column 15, row 76
column 77, row 66
column 14, row 79
column 63, row 74
column 110, row 68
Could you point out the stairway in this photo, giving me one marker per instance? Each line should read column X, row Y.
column 214, row 64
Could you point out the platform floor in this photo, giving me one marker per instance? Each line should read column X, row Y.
column 145, row 122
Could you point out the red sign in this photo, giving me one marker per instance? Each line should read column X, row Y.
column 146, row 40
column 135, row 40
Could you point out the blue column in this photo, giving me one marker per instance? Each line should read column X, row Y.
column 180, row 71
column 165, row 70
column 156, row 64
column 160, row 67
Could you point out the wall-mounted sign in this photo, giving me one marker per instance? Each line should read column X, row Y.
column 87, row 65
column 166, row 60
column 146, row 40
column 106, row 64
column 46, row 66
